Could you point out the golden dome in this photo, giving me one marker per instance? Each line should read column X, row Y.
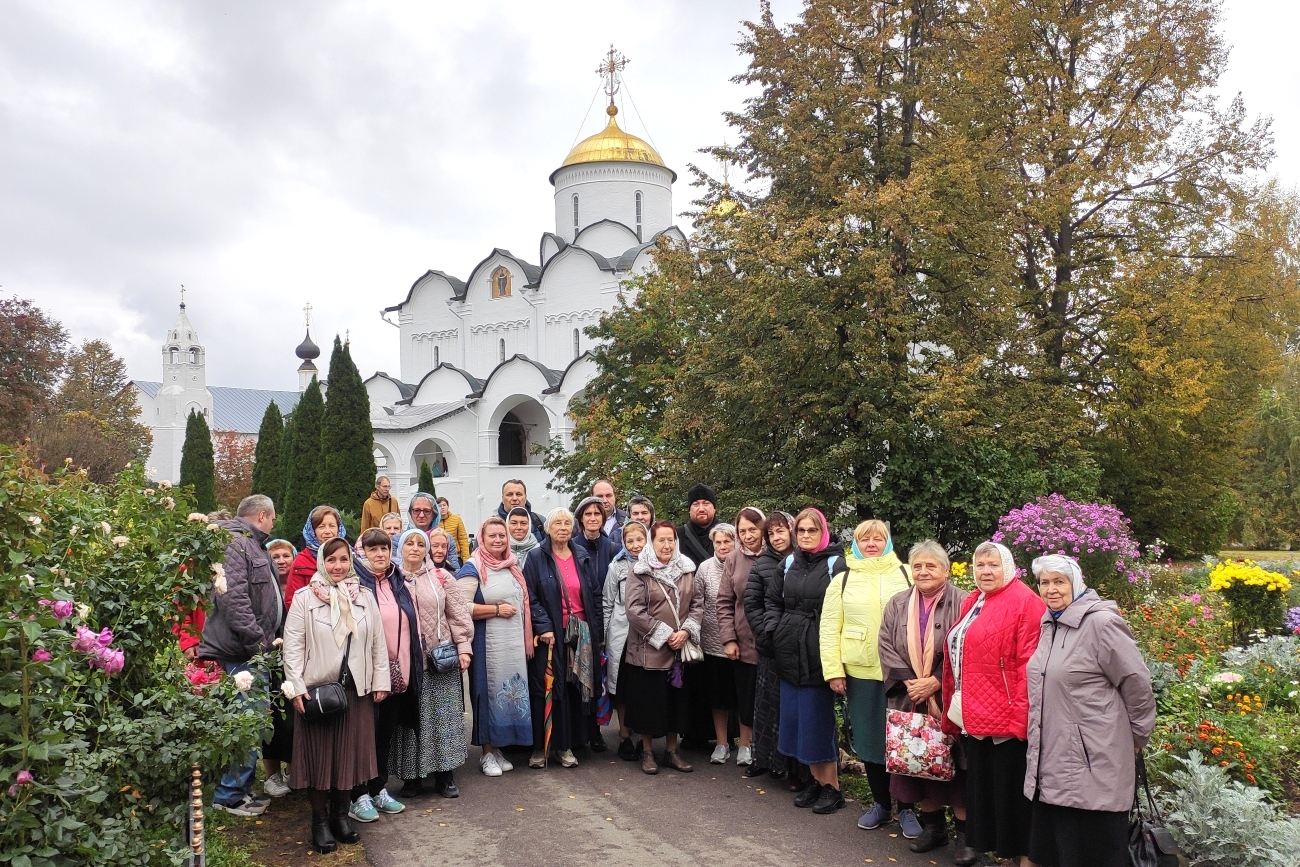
column 613, row 145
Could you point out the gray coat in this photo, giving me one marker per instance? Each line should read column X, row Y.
column 615, row 618
column 1090, row 707
column 243, row 621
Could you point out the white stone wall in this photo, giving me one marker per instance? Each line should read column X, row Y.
column 608, row 191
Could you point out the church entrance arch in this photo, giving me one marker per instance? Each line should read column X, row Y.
column 384, row 462
column 522, row 427
column 436, row 454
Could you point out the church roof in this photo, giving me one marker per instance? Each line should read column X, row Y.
column 415, row 417
column 613, row 145
column 237, row 409
column 552, row 377
column 405, row 389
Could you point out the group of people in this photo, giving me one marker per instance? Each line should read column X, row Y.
column 751, row 631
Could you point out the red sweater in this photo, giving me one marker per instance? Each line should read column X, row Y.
column 300, row 573
column 994, row 688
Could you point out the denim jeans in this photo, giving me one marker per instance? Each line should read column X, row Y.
column 238, row 779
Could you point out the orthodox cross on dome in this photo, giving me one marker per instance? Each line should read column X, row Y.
column 610, row 69
column 182, row 296
column 306, row 312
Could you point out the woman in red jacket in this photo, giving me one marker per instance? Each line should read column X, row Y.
column 324, row 523
column 987, row 696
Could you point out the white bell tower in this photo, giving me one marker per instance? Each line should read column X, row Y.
column 184, row 388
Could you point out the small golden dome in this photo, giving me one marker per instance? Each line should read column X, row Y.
column 613, row 145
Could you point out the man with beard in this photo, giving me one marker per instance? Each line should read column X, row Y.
column 693, row 535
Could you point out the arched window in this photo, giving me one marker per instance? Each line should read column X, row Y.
column 576, row 350
column 501, row 283
column 501, row 346
column 575, row 214
column 194, row 356
column 435, row 356
column 176, row 355
column 512, row 442
column 638, row 215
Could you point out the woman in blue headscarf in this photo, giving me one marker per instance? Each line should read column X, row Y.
column 423, row 514
column 324, row 523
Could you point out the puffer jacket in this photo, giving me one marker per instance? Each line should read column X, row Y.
column 733, row 625
column 1090, row 707
column 994, row 686
column 793, row 614
column 761, row 575
column 244, row 620
column 615, row 604
column 851, row 615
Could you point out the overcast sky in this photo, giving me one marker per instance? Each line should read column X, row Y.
column 270, row 154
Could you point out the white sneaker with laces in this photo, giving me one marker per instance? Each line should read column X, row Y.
column 744, row 756
column 276, row 786
column 489, row 765
column 720, row 754
column 502, row 762
column 568, row 760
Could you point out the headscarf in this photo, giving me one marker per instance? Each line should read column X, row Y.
column 1063, row 565
column 824, row 542
column 483, row 561
column 433, row 501
column 648, row 563
column 957, row 635
column 762, row 520
column 407, row 534
column 340, row 597
column 884, row 563
column 786, row 520
column 309, row 532
column 521, row 548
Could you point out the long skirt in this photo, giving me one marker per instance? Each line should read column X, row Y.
column 712, row 685
column 745, row 674
column 808, row 724
column 767, row 715
column 866, row 710
column 1070, row 837
column 998, row 815
column 654, row 706
column 280, row 747
column 440, row 743
column 338, row 752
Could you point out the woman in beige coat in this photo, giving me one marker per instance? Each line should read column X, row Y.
column 332, row 755
column 1091, row 711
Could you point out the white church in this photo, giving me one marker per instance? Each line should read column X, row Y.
column 491, row 363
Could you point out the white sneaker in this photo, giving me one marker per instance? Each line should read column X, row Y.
column 744, row 756
column 568, row 760
column 276, row 786
column 720, row 753
column 502, row 762
column 489, row 765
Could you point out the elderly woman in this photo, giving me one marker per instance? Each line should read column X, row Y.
column 568, row 616
column 664, row 611
column 733, row 628
column 392, row 525
column 279, row 748
column 503, row 643
column 634, row 536
column 712, row 683
column 437, row 747
column 519, row 523
column 850, row 633
column 323, row 523
column 912, row 650
column 1091, row 710
column 986, row 700
column 778, row 538
column 440, row 548
column 332, row 618
column 794, row 610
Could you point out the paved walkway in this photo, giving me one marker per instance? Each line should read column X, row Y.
column 606, row 812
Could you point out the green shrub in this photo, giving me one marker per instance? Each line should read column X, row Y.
column 99, row 725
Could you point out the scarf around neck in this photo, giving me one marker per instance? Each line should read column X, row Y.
column 648, row 563
column 485, row 561
column 340, row 597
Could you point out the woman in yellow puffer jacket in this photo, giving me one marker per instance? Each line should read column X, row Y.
column 850, row 631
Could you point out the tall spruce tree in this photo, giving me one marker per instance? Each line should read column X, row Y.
column 197, row 464
column 304, row 458
column 269, row 457
column 347, row 440
column 426, row 478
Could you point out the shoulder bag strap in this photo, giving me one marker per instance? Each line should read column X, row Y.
column 345, row 673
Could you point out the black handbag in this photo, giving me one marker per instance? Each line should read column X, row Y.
column 329, row 699
column 1149, row 842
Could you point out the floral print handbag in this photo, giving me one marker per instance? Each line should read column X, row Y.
column 915, row 746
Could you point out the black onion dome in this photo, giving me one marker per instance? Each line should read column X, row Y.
column 307, row 350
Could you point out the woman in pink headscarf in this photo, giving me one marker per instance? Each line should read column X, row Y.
column 503, row 643
column 793, row 608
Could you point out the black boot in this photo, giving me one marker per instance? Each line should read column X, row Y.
column 321, row 837
column 934, row 832
column 754, row 771
column 340, row 824
column 447, row 785
column 962, row 854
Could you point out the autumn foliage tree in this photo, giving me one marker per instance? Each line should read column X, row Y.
column 232, row 461
column 32, row 347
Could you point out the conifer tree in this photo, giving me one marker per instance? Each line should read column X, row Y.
column 304, row 457
column 269, row 456
column 347, row 440
column 197, row 463
column 426, row 478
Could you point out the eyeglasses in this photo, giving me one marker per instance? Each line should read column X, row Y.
column 422, row 511
column 807, row 531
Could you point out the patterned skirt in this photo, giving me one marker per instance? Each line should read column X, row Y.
column 440, row 743
column 767, row 715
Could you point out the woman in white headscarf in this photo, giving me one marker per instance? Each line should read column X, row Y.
column 986, row 700
column 333, row 616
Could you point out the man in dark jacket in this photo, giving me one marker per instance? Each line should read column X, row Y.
column 615, row 517
column 244, row 614
column 514, row 495
column 694, row 533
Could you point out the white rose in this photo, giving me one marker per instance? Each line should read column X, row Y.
column 214, row 527
column 31, row 582
column 164, row 484
column 197, row 517
column 74, row 531
column 34, row 520
column 287, row 689
column 121, row 541
column 148, row 492
column 243, row 680
column 105, row 527
column 169, row 502
column 83, row 610
column 67, row 582
column 279, row 642
column 219, row 577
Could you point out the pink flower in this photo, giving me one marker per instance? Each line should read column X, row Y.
column 63, row 609
column 41, row 655
column 86, row 641
column 24, row 778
